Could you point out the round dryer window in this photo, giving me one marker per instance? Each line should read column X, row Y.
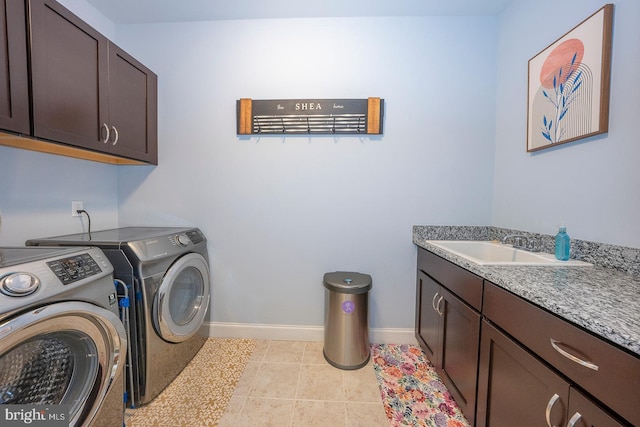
column 62, row 354
column 182, row 300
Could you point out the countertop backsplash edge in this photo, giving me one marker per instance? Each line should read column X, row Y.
column 601, row 299
column 620, row 258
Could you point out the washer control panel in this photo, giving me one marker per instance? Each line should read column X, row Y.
column 19, row 284
column 74, row 268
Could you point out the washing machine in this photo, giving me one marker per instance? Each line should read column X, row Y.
column 167, row 272
column 62, row 343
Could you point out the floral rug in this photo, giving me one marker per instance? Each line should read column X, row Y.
column 412, row 392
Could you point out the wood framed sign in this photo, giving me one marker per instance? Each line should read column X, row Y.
column 310, row 116
column 569, row 81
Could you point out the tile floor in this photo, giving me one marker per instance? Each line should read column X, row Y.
column 290, row 384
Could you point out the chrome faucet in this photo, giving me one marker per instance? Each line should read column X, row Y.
column 521, row 241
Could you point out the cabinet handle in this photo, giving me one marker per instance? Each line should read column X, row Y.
column 433, row 301
column 552, row 402
column 571, row 357
column 115, row 132
column 576, row 417
column 441, row 313
column 106, row 128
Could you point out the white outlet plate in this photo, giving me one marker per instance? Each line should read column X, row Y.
column 76, row 205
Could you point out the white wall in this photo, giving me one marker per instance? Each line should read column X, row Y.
column 280, row 212
column 592, row 184
column 36, row 189
column 92, row 16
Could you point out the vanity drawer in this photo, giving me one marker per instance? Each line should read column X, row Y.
column 608, row 373
column 461, row 282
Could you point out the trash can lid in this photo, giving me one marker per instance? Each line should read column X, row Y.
column 347, row 282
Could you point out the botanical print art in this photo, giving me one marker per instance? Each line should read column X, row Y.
column 569, row 85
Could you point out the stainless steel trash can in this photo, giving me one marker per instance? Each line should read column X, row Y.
column 346, row 327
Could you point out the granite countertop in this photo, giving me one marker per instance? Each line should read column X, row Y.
column 602, row 300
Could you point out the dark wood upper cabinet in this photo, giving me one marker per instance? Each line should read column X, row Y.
column 70, row 77
column 133, row 106
column 14, row 81
column 87, row 92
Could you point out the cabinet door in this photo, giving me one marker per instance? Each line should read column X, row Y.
column 515, row 388
column 427, row 318
column 69, row 77
column 601, row 369
column 585, row 413
column 132, row 107
column 459, row 354
column 14, row 89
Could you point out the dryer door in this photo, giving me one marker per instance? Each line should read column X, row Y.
column 65, row 353
column 182, row 299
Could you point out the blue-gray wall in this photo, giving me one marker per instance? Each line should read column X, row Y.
column 592, row 185
column 279, row 212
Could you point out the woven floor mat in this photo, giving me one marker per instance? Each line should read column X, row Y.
column 199, row 395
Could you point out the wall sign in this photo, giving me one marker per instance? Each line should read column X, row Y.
column 310, row 116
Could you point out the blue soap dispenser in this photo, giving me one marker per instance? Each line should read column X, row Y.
column 563, row 243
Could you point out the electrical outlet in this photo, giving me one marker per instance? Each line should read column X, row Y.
column 76, row 205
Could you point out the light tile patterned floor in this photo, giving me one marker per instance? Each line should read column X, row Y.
column 290, row 384
column 199, row 395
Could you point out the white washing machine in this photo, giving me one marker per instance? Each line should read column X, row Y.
column 167, row 270
column 62, row 344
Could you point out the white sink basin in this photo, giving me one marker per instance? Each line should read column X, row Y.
column 493, row 253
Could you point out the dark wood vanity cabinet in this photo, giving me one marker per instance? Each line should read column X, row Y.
column 14, row 78
column 86, row 91
column 586, row 362
column 508, row 362
column 448, row 327
column 514, row 388
column 428, row 317
column 517, row 389
column 583, row 412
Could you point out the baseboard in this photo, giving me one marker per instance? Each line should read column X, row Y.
column 299, row 333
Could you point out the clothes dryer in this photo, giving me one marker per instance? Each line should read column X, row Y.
column 62, row 344
column 167, row 269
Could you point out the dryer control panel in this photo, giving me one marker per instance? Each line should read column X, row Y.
column 195, row 236
column 74, row 268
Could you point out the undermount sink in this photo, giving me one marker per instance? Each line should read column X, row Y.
column 494, row 253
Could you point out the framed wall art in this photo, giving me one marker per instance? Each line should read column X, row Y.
column 568, row 84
